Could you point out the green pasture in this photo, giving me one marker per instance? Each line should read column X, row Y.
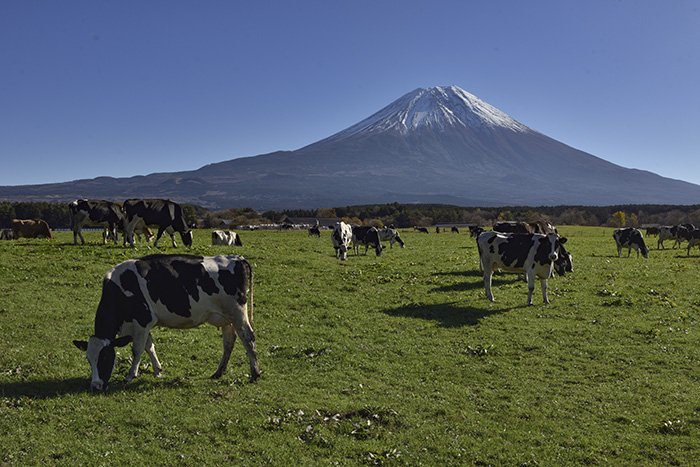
column 389, row 360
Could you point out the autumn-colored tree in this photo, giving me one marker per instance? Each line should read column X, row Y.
column 619, row 218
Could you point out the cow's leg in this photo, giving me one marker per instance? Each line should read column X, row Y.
column 170, row 231
column 229, row 337
column 114, row 233
column 488, row 274
column 619, row 251
column 158, row 235
column 138, row 345
column 129, row 228
column 543, row 284
column 530, row 275
column 77, row 232
column 151, row 351
column 629, row 251
column 245, row 332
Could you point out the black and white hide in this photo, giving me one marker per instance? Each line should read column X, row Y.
column 173, row 291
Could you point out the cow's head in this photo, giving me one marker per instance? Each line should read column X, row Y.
column 237, row 240
column 643, row 247
column 565, row 261
column 101, row 355
column 186, row 237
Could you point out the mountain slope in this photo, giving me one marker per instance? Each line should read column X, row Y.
column 438, row 145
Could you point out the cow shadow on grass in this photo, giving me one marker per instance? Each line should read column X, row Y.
column 448, row 315
column 53, row 388
column 478, row 284
column 44, row 389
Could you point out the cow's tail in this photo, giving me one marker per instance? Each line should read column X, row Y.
column 250, row 285
column 71, row 215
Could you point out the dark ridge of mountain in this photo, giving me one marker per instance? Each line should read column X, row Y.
column 435, row 145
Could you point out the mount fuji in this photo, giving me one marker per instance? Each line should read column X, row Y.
column 434, row 145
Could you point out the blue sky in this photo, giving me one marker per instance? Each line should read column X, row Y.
column 93, row 88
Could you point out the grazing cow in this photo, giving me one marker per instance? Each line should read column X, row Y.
column 30, row 228
column 682, row 233
column 630, row 238
column 666, row 232
column 173, row 291
column 341, row 238
column 6, row 234
column 512, row 227
column 536, row 255
column 225, row 237
column 367, row 236
column 166, row 214
column 454, row 229
column 421, row 229
column 95, row 211
column 315, row 230
column 391, row 235
column 693, row 239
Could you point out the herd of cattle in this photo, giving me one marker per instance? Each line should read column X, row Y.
column 183, row 291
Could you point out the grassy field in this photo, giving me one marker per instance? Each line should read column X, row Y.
column 392, row 360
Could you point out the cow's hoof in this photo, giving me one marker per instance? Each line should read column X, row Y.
column 254, row 377
column 217, row 375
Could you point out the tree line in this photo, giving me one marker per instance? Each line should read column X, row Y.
column 399, row 215
column 408, row 215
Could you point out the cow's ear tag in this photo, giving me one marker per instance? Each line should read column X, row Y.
column 121, row 341
column 82, row 345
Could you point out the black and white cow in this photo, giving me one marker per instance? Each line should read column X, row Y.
column 693, row 238
column 174, row 291
column 682, row 233
column 535, row 255
column 391, row 235
column 166, row 214
column 315, row 231
column 341, row 238
column 95, row 211
column 652, row 231
column 666, row 232
column 225, row 237
column 630, row 238
column 368, row 236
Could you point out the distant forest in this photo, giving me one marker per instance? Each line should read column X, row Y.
column 400, row 215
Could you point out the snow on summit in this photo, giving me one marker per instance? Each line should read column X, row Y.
column 438, row 108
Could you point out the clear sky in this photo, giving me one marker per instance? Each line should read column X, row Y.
column 122, row 88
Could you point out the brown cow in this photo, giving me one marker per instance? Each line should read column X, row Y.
column 30, row 228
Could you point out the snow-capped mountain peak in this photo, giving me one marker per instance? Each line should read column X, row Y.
column 438, row 108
